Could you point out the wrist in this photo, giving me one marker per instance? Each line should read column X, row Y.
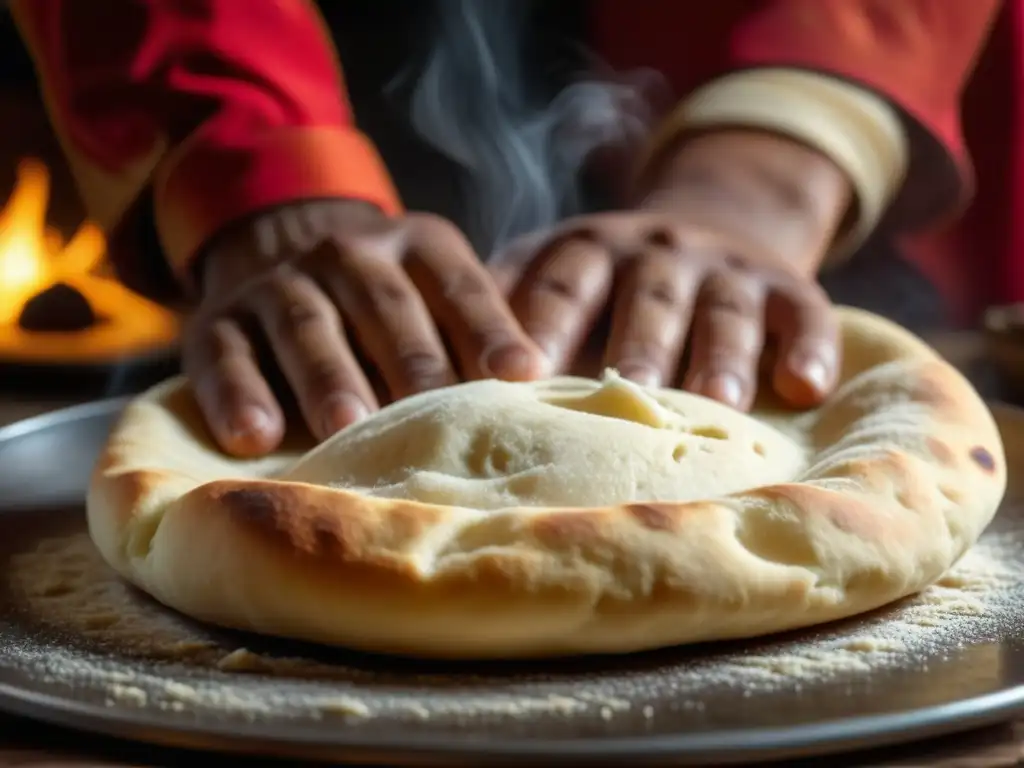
column 205, row 183
column 774, row 195
column 245, row 248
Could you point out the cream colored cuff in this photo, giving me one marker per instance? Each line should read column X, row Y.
column 857, row 130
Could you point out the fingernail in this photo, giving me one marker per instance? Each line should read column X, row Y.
column 549, row 349
column 726, row 388
column 511, row 361
column 341, row 411
column 250, row 421
column 816, row 374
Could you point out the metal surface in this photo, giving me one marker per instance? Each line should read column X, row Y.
column 78, row 648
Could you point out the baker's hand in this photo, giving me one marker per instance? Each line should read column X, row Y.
column 722, row 252
column 315, row 278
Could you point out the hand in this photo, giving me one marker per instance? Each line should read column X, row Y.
column 722, row 252
column 312, row 278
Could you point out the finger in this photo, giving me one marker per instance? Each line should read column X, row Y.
column 728, row 335
column 470, row 308
column 505, row 277
column 305, row 333
column 562, row 294
column 232, row 394
column 652, row 314
column 391, row 322
column 807, row 365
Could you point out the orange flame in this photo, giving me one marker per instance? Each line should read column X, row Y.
column 32, row 255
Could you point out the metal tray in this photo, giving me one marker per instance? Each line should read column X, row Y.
column 78, row 648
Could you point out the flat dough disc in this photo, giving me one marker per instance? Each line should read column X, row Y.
column 570, row 516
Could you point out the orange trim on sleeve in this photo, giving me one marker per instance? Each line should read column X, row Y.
column 208, row 187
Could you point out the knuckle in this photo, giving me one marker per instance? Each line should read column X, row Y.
column 332, row 250
column 417, row 363
column 786, row 282
column 558, row 282
column 579, row 231
column 297, row 229
column 693, row 243
column 740, row 344
column 555, row 286
column 641, row 351
column 729, row 297
column 662, row 237
column 576, row 249
column 727, row 306
column 323, row 377
column 737, row 263
column 221, row 339
column 493, row 328
column 662, row 292
column 465, row 284
column 387, row 291
column 295, row 318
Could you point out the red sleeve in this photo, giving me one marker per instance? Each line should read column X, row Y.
column 917, row 54
column 212, row 109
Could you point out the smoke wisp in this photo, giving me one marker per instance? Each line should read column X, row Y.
column 472, row 101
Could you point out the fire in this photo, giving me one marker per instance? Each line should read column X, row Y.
column 35, row 256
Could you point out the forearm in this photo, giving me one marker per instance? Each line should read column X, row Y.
column 212, row 109
column 874, row 87
column 749, row 183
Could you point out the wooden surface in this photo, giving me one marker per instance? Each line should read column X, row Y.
column 31, row 744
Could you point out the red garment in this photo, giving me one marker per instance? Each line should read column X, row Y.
column 218, row 108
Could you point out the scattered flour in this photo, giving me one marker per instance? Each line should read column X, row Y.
column 77, row 628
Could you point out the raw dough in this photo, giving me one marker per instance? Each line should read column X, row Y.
column 570, row 516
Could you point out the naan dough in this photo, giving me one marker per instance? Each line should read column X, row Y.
column 570, row 516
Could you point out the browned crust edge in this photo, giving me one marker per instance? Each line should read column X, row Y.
column 330, row 565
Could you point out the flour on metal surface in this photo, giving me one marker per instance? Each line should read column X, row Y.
column 80, row 627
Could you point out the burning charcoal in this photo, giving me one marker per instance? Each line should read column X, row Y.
column 60, row 308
